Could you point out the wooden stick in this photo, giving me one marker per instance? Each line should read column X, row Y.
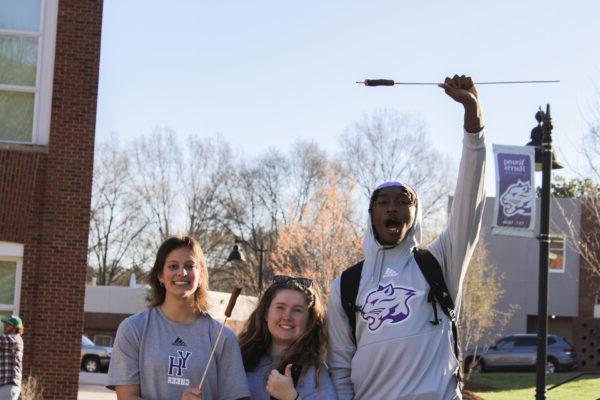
column 232, row 299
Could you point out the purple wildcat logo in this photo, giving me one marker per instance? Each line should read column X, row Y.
column 386, row 303
column 517, row 199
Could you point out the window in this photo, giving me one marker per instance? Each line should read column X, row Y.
column 556, row 255
column 27, row 36
column 11, row 266
column 526, row 341
column 86, row 341
column 103, row 340
column 508, row 343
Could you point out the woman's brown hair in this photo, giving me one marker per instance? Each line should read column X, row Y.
column 157, row 293
column 308, row 350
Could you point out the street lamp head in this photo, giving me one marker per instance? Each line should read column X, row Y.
column 236, row 255
column 539, row 115
column 537, row 134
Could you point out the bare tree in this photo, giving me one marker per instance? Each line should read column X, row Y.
column 260, row 196
column 202, row 188
column 271, row 173
column 214, row 196
column 325, row 241
column 157, row 162
column 254, row 194
column 583, row 236
column 251, row 203
column 588, row 246
column 207, row 165
column 308, row 169
column 391, row 146
column 115, row 224
column 480, row 316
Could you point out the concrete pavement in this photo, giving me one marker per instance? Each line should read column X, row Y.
column 92, row 387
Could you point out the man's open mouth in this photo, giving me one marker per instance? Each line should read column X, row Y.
column 393, row 225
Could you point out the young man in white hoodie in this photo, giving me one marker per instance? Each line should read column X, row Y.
column 399, row 353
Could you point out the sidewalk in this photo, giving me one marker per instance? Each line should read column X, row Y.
column 92, row 387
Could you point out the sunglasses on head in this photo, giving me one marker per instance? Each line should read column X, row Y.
column 303, row 281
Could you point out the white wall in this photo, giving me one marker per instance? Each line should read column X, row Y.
column 128, row 300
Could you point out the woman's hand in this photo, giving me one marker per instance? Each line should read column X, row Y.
column 191, row 394
column 282, row 386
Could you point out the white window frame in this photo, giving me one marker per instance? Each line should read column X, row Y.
column 564, row 251
column 42, row 91
column 13, row 252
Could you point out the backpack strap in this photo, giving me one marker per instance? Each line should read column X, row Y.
column 438, row 292
column 349, row 282
column 432, row 271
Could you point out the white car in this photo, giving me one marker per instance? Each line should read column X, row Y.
column 94, row 358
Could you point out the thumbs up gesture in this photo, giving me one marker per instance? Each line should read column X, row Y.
column 282, row 386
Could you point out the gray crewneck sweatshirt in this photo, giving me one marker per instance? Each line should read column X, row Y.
column 399, row 353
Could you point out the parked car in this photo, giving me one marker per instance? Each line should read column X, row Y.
column 94, row 358
column 519, row 351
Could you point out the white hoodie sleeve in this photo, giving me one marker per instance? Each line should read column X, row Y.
column 341, row 347
column 454, row 247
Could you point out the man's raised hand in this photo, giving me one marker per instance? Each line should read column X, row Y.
column 462, row 90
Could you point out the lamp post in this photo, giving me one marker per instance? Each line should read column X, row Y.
column 236, row 255
column 541, row 138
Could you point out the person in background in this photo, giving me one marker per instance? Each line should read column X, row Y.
column 283, row 343
column 161, row 353
column 11, row 358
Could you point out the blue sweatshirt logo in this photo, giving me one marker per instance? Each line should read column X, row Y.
column 386, row 303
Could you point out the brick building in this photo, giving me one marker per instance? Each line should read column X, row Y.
column 49, row 58
column 573, row 291
column 586, row 326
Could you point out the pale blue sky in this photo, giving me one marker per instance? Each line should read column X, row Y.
column 265, row 73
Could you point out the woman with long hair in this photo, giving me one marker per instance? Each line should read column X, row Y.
column 284, row 343
column 161, row 353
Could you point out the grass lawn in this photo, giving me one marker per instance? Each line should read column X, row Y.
column 512, row 386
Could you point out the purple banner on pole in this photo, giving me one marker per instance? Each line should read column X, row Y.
column 514, row 213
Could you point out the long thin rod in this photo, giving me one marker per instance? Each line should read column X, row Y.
column 232, row 299
column 212, row 353
column 477, row 83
